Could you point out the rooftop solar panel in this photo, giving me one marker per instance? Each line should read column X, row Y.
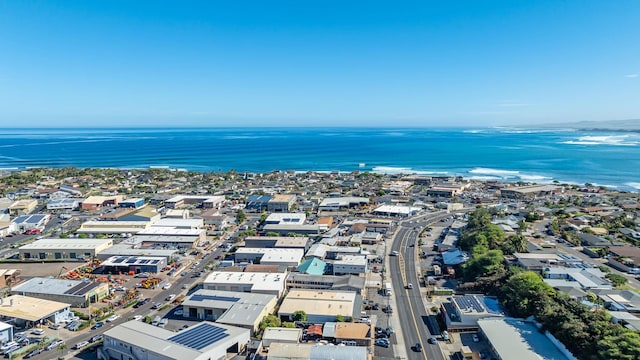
column 199, row 337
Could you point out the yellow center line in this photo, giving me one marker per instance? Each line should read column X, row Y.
column 403, row 273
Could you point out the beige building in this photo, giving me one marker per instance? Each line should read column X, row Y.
column 281, row 203
column 320, row 306
column 22, row 207
column 64, row 249
column 93, row 203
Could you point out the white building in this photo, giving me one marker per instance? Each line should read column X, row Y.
column 262, row 283
column 202, row 341
column 281, row 335
column 63, row 204
column 6, row 332
column 286, row 218
column 270, row 256
column 396, row 210
column 350, row 264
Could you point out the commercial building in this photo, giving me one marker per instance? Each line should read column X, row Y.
column 257, row 203
column 254, row 282
column 320, row 306
column 281, row 203
column 6, row 333
column 462, row 313
column 518, row 339
column 281, row 335
column 204, row 201
column 270, row 256
column 113, row 227
column 326, row 282
column 313, row 266
column 531, row 191
column 63, row 204
column 348, row 333
column 342, row 203
column 78, row 293
column 28, row 311
column 396, row 210
column 134, row 203
column 64, row 249
column 179, row 223
column 29, row 222
column 287, row 229
column 93, row 203
column 202, row 341
column 350, row 264
column 169, row 232
column 22, row 207
column 287, row 351
column 131, row 264
column 286, row 218
column 240, row 309
column 280, row 242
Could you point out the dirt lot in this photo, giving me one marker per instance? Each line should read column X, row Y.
column 37, row 269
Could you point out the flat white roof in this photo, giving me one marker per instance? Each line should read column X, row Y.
column 359, row 260
column 259, row 281
column 179, row 223
column 286, row 218
column 516, row 339
column 47, row 244
column 396, row 209
column 274, row 254
column 170, row 231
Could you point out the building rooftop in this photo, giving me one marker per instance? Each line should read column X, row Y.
column 286, row 218
column 288, row 351
column 325, row 302
column 31, row 219
column 69, row 243
column 517, row 339
column 29, row 308
column 259, row 281
column 170, row 231
column 44, row 285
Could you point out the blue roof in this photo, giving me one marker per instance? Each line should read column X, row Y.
column 313, row 266
column 200, row 336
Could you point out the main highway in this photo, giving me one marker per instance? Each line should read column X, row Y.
column 417, row 326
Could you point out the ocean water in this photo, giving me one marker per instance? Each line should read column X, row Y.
column 602, row 158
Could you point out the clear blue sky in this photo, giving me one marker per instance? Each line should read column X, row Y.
column 322, row 63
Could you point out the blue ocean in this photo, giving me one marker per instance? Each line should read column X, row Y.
column 609, row 159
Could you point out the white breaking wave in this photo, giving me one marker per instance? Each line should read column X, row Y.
column 499, row 174
column 391, row 170
column 614, row 140
column 495, row 172
column 634, row 185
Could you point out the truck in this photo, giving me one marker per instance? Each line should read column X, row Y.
column 437, row 271
column 387, row 289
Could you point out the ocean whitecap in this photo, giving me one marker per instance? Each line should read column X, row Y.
column 613, row 140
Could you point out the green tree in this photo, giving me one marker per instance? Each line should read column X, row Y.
column 617, row 280
column 240, row 217
column 270, row 321
column 289, row 324
column 340, row 318
column 299, row 315
column 525, row 293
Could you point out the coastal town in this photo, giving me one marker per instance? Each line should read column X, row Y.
column 169, row 264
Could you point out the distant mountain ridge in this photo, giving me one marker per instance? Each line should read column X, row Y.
column 612, row 125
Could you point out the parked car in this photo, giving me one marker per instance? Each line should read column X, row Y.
column 475, row 338
column 38, row 332
column 382, row 342
column 33, row 353
column 166, row 286
column 80, row 345
column 156, row 306
column 96, row 338
column 54, row 326
column 54, row 345
column 178, row 312
column 170, row 297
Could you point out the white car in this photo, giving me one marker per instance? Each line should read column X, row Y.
column 166, row 286
column 38, row 332
column 476, row 338
column 113, row 318
column 137, row 317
